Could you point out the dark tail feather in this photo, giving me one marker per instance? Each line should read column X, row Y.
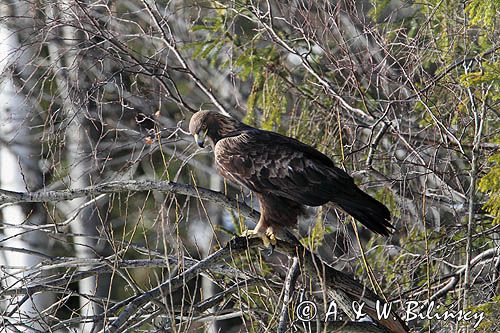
column 371, row 213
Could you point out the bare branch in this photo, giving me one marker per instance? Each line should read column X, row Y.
column 129, row 186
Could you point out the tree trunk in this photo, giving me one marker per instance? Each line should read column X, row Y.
column 89, row 222
column 19, row 171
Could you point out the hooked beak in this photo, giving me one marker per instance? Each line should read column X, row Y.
column 200, row 139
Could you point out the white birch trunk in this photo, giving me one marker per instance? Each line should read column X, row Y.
column 19, row 171
column 215, row 213
column 87, row 224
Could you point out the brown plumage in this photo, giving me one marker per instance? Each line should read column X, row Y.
column 284, row 173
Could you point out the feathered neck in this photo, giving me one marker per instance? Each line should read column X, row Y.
column 220, row 126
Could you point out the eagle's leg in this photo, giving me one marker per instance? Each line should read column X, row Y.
column 264, row 232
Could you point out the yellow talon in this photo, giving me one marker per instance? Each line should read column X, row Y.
column 268, row 238
column 272, row 237
column 266, row 241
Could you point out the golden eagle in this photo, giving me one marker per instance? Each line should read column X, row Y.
column 284, row 173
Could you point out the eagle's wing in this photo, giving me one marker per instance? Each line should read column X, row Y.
column 267, row 162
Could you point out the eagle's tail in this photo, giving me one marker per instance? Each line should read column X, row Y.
column 371, row 213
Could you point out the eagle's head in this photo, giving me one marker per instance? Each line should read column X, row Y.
column 212, row 125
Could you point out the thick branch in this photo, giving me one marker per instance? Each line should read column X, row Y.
column 133, row 186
